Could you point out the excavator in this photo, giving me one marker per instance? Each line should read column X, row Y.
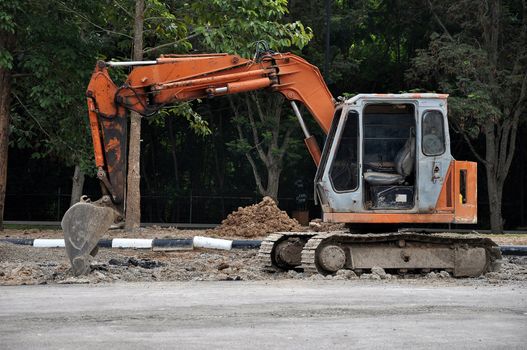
column 386, row 161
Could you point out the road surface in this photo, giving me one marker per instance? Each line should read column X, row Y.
column 288, row 314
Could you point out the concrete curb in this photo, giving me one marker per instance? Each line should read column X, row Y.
column 142, row 243
column 186, row 243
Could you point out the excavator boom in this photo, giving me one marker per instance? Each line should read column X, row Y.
column 151, row 85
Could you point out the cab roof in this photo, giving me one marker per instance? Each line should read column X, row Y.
column 407, row 96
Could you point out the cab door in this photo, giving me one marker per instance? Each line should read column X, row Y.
column 433, row 153
column 337, row 182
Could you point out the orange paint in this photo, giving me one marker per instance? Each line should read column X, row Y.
column 95, row 134
column 188, row 77
column 388, row 218
column 314, row 150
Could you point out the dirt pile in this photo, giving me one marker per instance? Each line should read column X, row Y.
column 256, row 220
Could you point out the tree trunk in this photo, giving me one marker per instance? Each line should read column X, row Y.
column 273, row 182
column 495, row 192
column 6, row 39
column 77, row 186
column 133, row 193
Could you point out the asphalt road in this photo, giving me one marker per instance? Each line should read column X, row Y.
column 280, row 314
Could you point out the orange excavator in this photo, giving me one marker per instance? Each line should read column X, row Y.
column 386, row 160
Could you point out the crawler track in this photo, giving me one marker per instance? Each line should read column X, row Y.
column 327, row 252
column 463, row 256
column 267, row 253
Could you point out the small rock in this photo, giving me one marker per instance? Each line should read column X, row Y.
column 222, row 266
column 117, row 262
column 329, row 277
column 99, row 275
column 379, row 271
column 144, row 263
column 316, row 276
column 431, row 275
column 444, row 274
column 347, row 274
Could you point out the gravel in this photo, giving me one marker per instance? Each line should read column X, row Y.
column 28, row 265
column 21, row 265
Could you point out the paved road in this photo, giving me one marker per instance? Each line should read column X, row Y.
column 280, row 314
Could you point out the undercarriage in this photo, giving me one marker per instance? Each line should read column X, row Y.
column 328, row 252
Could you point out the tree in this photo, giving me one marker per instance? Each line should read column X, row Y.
column 480, row 59
column 50, row 66
column 235, row 27
column 264, row 136
column 133, row 194
column 7, row 39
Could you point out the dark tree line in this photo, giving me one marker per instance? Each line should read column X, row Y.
column 476, row 53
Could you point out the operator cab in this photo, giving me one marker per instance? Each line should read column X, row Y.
column 385, row 154
column 389, row 155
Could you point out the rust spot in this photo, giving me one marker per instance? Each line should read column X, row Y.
column 114, row 145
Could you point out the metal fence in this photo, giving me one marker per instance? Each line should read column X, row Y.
column 198, row 209
column 195, row 209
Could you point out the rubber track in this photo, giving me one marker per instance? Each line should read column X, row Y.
column 310, row 249
column 266, row 248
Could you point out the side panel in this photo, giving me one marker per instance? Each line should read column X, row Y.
column 465, row 192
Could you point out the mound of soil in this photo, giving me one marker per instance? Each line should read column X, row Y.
column 256, row 220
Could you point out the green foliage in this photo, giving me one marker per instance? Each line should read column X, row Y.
column 483, row 81
column 234, row 26
column 52, row 65
column 183, row 110
column 8, row 10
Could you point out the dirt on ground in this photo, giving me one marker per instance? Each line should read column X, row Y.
column 21, row 265
column 27, row 265
column 256, row 220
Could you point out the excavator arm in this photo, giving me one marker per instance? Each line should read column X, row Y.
column 174, row 78
column 151, row 85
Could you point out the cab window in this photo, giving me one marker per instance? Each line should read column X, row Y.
column 344, row 172
column 433, row 135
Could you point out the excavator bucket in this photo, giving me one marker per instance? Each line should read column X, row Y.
column 83, row 225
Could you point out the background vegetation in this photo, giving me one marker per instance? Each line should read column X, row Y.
column 197, row 161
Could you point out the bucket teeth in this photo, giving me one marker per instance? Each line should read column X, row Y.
column 83, row 225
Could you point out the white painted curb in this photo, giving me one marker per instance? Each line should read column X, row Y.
column 131, row 243
column 48, row 243
column 214, row 243
column 140, row 243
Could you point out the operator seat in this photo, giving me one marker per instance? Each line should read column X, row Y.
column 404, row 165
